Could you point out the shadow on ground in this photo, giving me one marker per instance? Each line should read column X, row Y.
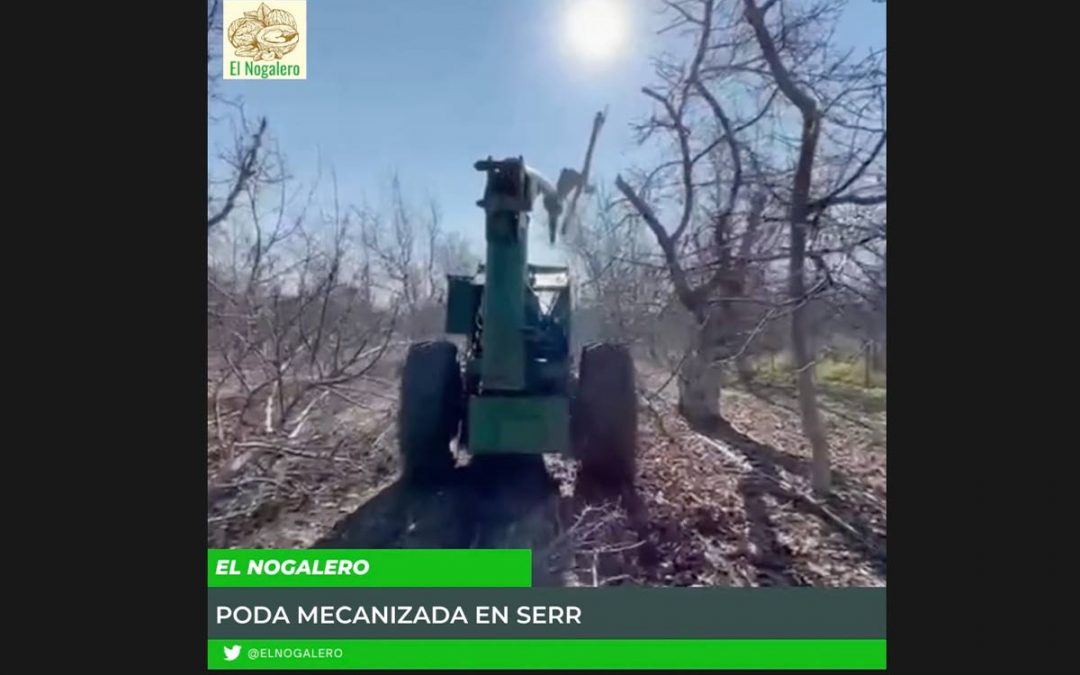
column 493, row 502
column 773, row 560
column 476, row 506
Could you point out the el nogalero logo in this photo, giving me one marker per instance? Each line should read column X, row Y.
column 264, row 42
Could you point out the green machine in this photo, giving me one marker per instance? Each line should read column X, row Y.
column 513, row 389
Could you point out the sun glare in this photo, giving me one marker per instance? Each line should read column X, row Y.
column 595, row 29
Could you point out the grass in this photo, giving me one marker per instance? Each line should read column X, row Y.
column 840, row 379
column 849, row 373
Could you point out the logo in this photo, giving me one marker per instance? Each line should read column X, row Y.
column 232, row 652
column 263, row 42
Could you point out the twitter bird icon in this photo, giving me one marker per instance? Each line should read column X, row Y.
column 232, row 652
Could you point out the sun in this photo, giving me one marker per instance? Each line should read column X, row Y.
column 595, row 30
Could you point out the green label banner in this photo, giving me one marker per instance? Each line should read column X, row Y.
column 549, row 654
column 400, row 568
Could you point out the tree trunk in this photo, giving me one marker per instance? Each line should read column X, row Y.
column 699, row 391
column 808, row 407
column 868, row 359
column 879, row 356
column 813, row 428
column 800, row 202
column 699, row 378
column 745, row 369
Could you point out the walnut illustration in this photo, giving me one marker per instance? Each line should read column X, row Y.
column 264, row 34
column 277, row 40
column 280, row 17
column 262, row 13
column 242, row 31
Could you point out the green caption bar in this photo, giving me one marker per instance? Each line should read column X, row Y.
column 399, row 568
column 562, row 654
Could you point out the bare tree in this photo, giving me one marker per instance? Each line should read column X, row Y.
column 623, row 291
column 246, row 161
column 454, row 255
column 786, row 131
column 706, row 251
column 814, row 93
column 410, row 255
column 306, row 299
column 290, row 328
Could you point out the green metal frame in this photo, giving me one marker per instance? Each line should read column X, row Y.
column 527, row 424
column 462, row 304
column 517, row 356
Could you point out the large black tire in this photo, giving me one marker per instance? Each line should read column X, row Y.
column 604, row 418
column 432, row 404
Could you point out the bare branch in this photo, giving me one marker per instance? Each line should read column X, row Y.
column 834, row 198
column 667, row 245
column 246, row 171
column 756, row 17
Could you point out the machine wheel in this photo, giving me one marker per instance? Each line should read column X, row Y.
column 431, row 410
column 604, row 422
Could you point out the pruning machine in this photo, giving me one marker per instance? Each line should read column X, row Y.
column 512, row 389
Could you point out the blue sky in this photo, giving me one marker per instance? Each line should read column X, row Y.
column 426, row 87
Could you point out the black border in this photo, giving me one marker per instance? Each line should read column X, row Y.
column 157, row 513
column 115, row 146
column 971, row 574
